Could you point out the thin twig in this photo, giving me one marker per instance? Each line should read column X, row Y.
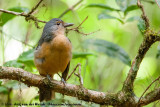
column 88, row 33
column 157, row 3
column 147, row 89
column 73, row 71
column 144, row 17
column 59, row 75
column 150, row 97
column 28, row 34
column 28, row 16
column 22, row 14
column 12, row 12
column 69, row 9
column 35, row 7
column 77, row 29
column 79, row 76
column 31, row 17
column 82, row 22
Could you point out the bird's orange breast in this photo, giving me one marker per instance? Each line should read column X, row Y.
column 57, row 55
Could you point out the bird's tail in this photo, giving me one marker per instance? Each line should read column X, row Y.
column 46, row 94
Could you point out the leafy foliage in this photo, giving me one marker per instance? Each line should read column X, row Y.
column 3, row 90
column 13, row 63
column 25, row 60
column 125, row 6
column 103, row 7
column 96, row 76
column 81, row 54
column 106, row 16
column 130, row 8
column 133, row 18
column 141, row 25
column 108, row 48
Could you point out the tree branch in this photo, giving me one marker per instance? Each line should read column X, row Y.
column 122, row 98
column 149, row 39
column 147, row 89
column 144, row 17
column 22, row 14
column 28, row 16
column 69, row 9
column 146, row 44
column 67, row 89
column 35, row 7
column 77, row 29
column 150, row 97
column 69, row 76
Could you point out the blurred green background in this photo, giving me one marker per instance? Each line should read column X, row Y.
column 105, row 55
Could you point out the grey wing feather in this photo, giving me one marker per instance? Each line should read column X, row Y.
column 45, row 38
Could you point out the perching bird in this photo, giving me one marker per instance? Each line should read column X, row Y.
column 53, row 54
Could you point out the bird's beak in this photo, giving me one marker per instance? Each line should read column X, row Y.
column 68, row 24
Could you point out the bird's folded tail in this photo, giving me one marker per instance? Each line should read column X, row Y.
column 46, row 94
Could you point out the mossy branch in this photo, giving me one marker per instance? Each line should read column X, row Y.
column 69, row 89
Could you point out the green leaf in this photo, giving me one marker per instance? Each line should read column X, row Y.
column 124, row 4
column 130, row 8
column 108, row 48
column 81, row 54
column 141, row 25
column 27, row 59
column 103, row 6
column 106, row 16
column 3, row 90
column 26, row 56
column 13, row 63
column 5, row 17
column 14, row 84
column 133, row 18
column 0, row 82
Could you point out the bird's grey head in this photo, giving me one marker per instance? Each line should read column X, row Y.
column 55, row 26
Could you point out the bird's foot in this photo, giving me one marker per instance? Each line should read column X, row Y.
column 49, row 78
column 63, row 81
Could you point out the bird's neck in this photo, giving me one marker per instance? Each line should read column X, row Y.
column 59, row 32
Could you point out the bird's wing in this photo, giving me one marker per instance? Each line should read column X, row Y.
column 39, row 52
column 65, row 73
column 45, row 38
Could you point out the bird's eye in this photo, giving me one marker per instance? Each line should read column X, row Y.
column 58, row 23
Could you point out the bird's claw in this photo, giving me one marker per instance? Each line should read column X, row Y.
column 49, row 78
column 63, row 81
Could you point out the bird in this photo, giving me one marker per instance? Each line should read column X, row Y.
column 53, row 54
